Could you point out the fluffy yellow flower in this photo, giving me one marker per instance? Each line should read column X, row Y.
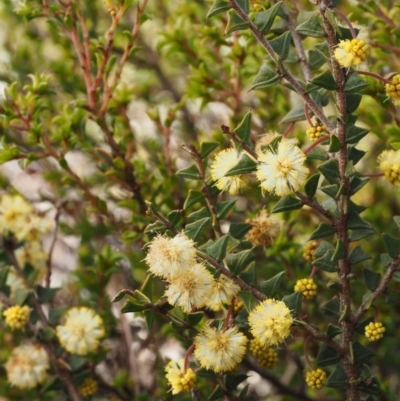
column 389, row 163
column 282, row 172
column 88, row 387
column 81, row 332
column 266, row 356
column 315, row 132
column 177, row 378
column 17, row 316
column 32, row 252
column 224, row 290
column 270, row 322
column 170, row 257
column 18, row 217
column 220, row 350
column 307, row 287
column 374, row 331
column 316, row 378
column 223, row 162
column 27, row 366
column 264, row 229
column 351, row 52
column 393, row 90
column 191, row 289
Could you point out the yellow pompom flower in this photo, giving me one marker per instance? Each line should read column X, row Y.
column 81, row 332
column 307, row 287
column 270, row 322
column 282, row 172
column 193, row 288
column 27, row 366
column 220, row 350
column 374, row 331
column 17, row 316
column 309, row 249
column 170, row 257
column 88, row 388
column 223, row 162
column 389, row 164
column 316, row 378
column 264, row 229
column 316, row 132
column 177, row 378
column 266, row 356
column 393, row 90
column 224, row 290
column 351, row 52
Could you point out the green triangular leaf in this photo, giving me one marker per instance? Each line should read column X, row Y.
column 337, row 379
column 270, row 287
column 312, row 28
column 392, row 245
column 224, row 207
column 357, row 255
column 45, row 294
column 295, row 114
column 287, row 203
column 218, row 248
column 281, row 44
column 330, row 171
column 193, row 198
column 293, row 302
column 195, row 318
column 244, row 128
column 238, row 230
column 322, row 231
column 246, row 165
column 206, row 148
column 362, row 354
column 355, row 83
column 235, row 23
column 327, row 356
column 265, row 19
column 334, row 144
column 372, row 279
column 352, row 102
column 331, row 308
column 191, row 172
column 325, row 80
column 325, row 263
column 310, row 187
column 354, row 133
column 195, row 230
column 265, row 78
column 248, row 299
column 219, row 6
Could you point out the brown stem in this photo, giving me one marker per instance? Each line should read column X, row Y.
column 187, row 356
column 344, row 267
column 282, row 72
column 314, row 205
column 391, row 269
column 306, row 357
column 235, row 137
column 289, row 129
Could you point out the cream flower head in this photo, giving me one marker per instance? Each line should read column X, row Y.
column 220, row 350
column 27, row 366
column 351, row 52
column 191, row 289
column 224, row 290
column 264, row 229
column 270, row 322
column 282, row 172
column 170, row 257
column 81, row 332
column 389, row 163
column 177, row 378
column 223, row 162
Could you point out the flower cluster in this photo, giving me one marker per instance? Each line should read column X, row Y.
column 389, row 163
column 18, row 217
column 223, row 162
column 282, row 172
column 307, row 287
column 17, row 316
column 220, row 350
column 316, row 132
column 393, row 90
column 179, row 379
column 309, row 249
column 266, row 356
column 374, row 331
column 351, row 52
column 88, row 388
column 81, row 331
column 316, row 378
column 264, row 229
column 27, row 366
column 191, row 285
column 270, row 322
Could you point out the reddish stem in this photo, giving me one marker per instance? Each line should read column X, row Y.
column 289, row 129
column 376, row 311
column 374, row 175
column 313, row 271
column 307, row 113
column 229, row 315
column 186, row 361
column 316, row 143
column 309, row 364
column 348, row 23
column 371, row 74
